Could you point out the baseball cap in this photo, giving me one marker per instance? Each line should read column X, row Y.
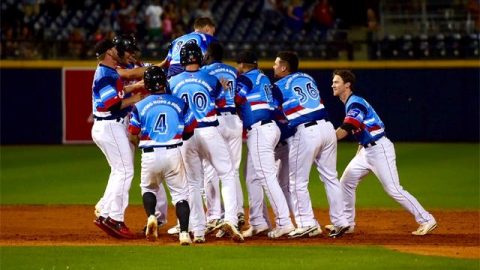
column 247, row 57
column 103, row 46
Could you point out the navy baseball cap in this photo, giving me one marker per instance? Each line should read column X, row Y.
column 247, row 57
column 103, row 46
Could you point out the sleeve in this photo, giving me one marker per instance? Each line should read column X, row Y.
column 356, row 113
column 277, row 96
column 244, row 85
column 190, row 122
column 220, row 100
column 134, row 127
column 108, row 92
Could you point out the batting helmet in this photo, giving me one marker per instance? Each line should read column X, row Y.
column 154, row 79
column 125, row 43
column 190, row 53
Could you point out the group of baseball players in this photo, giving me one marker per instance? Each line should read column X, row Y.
column 188, row 114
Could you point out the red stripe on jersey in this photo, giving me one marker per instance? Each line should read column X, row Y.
column 239, row 100
column 133, row 130
column 119, row 85
column 257, row 102
column 294, row 110
column 374, row 128
column 109, row 103
column 145, row 137
column 178, row 136
column 191, row 127
column 212, row 113
column 352, row 121
column 221, row 103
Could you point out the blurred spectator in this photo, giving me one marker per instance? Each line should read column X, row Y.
column 126, row 18
column 295, row 15
column 322, row 17
column 473, row 8
column 153, row 19
column 76, row 43
column 372, row 33
column 167, row 27
column 31, row 8
column 203, row 10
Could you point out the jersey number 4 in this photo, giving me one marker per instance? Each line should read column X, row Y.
column 161, row 124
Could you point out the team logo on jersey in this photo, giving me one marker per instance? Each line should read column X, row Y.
column 353, row 113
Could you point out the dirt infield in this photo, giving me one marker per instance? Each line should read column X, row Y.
column 458, row 233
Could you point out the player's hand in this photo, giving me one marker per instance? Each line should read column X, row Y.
column 224, row 83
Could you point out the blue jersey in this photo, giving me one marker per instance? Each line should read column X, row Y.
column 107, row 91
column 300, row 99
column 200, row 90
column 254, row 97
column 363, row 117
column 226, row 97
column 173, row 56
column 160, row 120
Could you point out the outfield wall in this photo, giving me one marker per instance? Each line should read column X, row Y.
column 48, row 102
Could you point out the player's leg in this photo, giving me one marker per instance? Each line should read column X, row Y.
column 283, row 172
column 382, row 159
column 194, row 175
column 304, row 146
column 261, row 143
column 235, row 143
column 216, row 151
column 257, row 217
column 326, row 162
column 356, row 169
column 213, row 197
column 176, row 181
column 161, row 208
column 149, row 184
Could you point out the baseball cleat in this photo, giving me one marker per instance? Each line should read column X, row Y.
column 426, row 227
column 199, row 239
column 231, row 229
column 184, row 238
column 241, row 221
column 119, row 228
column 338, row 231
column 151, row 233
column 174, row 230
column 305, row 231
column 330, row 227
column 255, row 230
column 279, row 232
column 99, row 223
column 213, row 225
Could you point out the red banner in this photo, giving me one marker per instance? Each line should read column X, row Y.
column 77, row 105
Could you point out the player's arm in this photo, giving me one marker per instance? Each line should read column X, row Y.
column 190, row 123
column 353, row 121
column 243, row 86
column 134, row 127
column 126, row 102
column 138, row 86
column 131, row 74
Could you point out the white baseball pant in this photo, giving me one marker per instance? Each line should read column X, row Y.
column 261, row 142
column 230, row 127
column 208, row 144
column 112, row 139
column 316, row 143
column 380, row 159
column 164, row 165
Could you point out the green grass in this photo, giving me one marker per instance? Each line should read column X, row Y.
column 440, row 175
column 264, row 257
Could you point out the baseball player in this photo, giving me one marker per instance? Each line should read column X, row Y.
column 200, row 90
column 230, row 127
column 204, row 29
column 254, row 98
column 376, row 153
column 157, row 125
column 131, row 71
column 109, row 132
column 313, row 141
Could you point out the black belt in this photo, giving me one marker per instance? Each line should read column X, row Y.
column 118, row 119
column 311, row 123
column 373, row 143
column 151, row 148
column 225, row 113
column 263, row 122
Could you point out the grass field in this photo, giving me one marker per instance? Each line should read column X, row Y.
column 440, row 175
